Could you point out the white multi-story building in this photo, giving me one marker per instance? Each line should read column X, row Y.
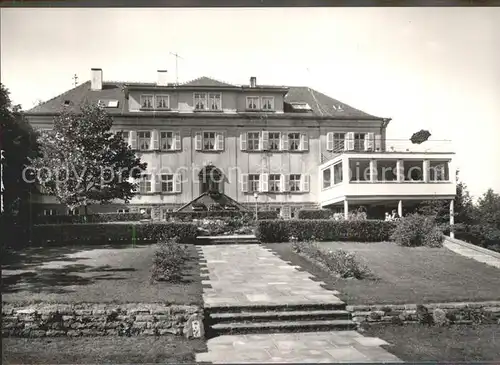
column 293, row 146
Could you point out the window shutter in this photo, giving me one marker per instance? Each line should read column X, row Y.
column 198, row 141
column 304, row 179
column 177, row 141
column 244, row 183
column 196, row 187
column 156, row 183
column 219, row 141
column 369, row 141
column 243, row 141
column 264, row 185
column 329, row 141
column 349, row 141
column 378, row 142
column 285, row 182
column 304, row 142
column 177, row 183
column 265, row 140
column 133, row 139
column 155, row 140
column 284, row 142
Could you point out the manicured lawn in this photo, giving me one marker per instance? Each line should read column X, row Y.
column 100, row 350
column 118, row 274
column 454, row 343
column 405, row 275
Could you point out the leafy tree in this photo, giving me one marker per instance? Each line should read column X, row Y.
column 420, row 137
column 83, row 163
column 18, row 141
column 486, row 215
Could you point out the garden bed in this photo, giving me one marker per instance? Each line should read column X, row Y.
column 404, row 274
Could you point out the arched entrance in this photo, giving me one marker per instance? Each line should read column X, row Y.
column 211, row 180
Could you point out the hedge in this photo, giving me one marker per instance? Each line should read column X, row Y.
column 99, row 233
column 189, row 216
column 324, row 230
column 314, row 214
column 91, row 218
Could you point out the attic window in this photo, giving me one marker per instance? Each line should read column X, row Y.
column 108, row 103
column 300, row 106
column 67, row 102
column 338, row 108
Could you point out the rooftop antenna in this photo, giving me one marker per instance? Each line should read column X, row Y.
column 176, row 66
column 75, row 80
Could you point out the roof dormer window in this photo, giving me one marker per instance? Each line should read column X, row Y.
column 200, row 101
column 267, row 103
column 214, row 101
column 146, row 101
column 253, row 103
column 162, row 102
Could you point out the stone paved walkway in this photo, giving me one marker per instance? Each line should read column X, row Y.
column 477, row 253
column 252, row 275
column 242, row 275
column 309, row 347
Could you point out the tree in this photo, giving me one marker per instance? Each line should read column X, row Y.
column 486, row 227
column 420, row 137
column 83, row 163
column 18, row 142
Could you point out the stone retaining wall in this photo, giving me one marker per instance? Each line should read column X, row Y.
column 439, row 313
column 43, row 320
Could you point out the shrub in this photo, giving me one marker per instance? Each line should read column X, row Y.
column 99, row 233
column 324, row 230
column 314, row 214
column 417, row 230
column 169, row 260
column 91, row 218
column 189, row 216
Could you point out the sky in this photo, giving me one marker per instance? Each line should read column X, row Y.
column 426, row 68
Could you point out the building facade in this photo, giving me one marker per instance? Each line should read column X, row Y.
column 276, row 147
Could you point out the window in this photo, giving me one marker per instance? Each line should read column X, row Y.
column 252, row 102
column 146, row 101
column 253, row 141
column 123, row 210
column 327, row 178
column 295, row 182
column 337, row 173
column 162, row 102
column 214, row 101
column 253, row 180
column 359, row 141
column 145, row 184
column 167, row 183
column 274, row 182
column 294, row 141
column 209, row 140
column 166, row 141
column 144, row 140
column 200, row 101
column 267, row 103
column 49, row 212
column 438, row 171
column 338, row 141
column 125, row 135
column 73, row 211
column 274, row 141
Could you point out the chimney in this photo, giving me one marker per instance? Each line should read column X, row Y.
column 253, row 81
column 96, row 79
column 162, row 78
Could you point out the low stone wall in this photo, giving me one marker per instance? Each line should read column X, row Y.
column 439, row 313
column 43, row 320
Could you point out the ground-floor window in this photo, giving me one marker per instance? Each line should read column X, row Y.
column 49, row 212
column 123, row 210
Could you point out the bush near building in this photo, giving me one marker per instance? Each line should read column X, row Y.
column 315, row 214
column 91, row 218
column 417, row 230
column 324, row 230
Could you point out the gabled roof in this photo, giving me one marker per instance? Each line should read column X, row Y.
column 206, row 81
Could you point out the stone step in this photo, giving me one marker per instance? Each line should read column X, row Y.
column 283, row 326
column 229, row 240
column 246, row 317
column 334, row 305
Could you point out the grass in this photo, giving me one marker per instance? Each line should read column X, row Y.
column 99, row 350
column 454, row 343
column 110, row 274
column 405, row 274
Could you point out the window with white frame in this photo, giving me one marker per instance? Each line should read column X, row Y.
column 337, row 173
column 338, row 141
column 166, row 141
column 209, row 140
column 253, row 182
column 162, row 102
column 214, row 101
column 267, row 103
column 294, row 182
column 359, row 141
column 200, row 101
column 143, row 140
column 252, row 102
column 438, row 171
column 167, row 183
column 146, row 101
column 145, row 184
column 123, row 210
column 253, row 141
column 327, row 178
column 49, row 212
column 293, row 141
column 274, row 182
column 274, row 141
